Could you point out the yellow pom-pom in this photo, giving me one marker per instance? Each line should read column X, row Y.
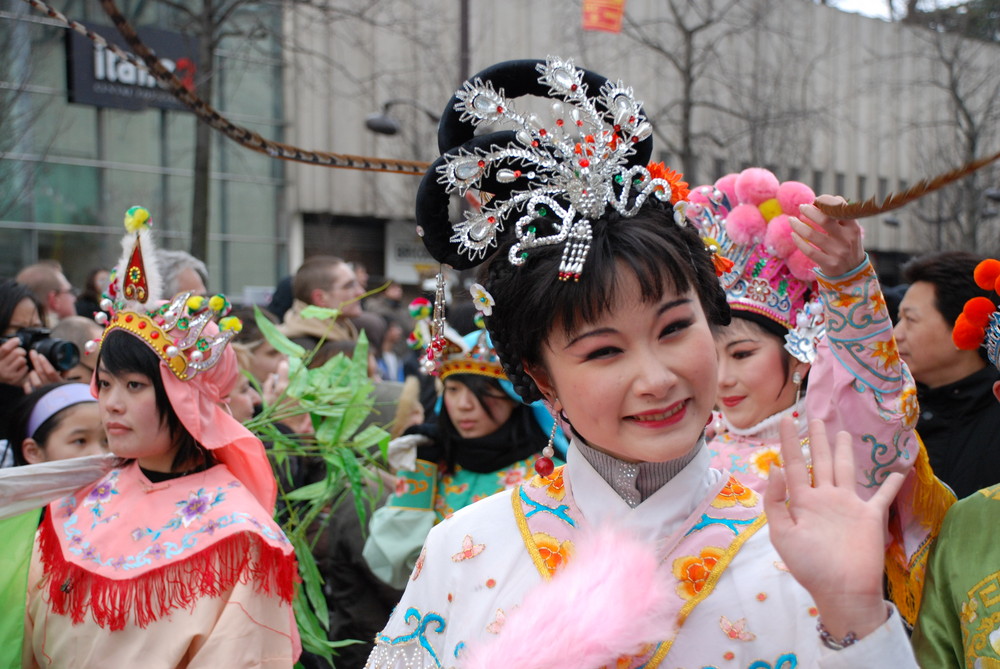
column 195, row 303
column 136, row 218
column 231, row 323
column 217, row 303
column 770, row 208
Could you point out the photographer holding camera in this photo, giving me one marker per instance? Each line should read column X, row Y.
column 27, row 353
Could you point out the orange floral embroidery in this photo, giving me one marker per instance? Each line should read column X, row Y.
column 553, row 553
column 878, row 303
column 734, row 492
column 508, row 478
column 554, row 485
column 762, row 461
column 909, row 405
column 693, row 571
column 886, row 352
column 843, row 300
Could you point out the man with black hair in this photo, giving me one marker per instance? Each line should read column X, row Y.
column 959, row 417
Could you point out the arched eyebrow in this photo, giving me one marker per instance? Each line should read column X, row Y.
column 597, row 332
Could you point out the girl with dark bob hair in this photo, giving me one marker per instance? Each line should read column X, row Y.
column 173, row 554
column 600, row 299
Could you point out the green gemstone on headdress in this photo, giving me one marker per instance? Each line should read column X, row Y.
column 524, row 254
column 182, row 324
column 759, row 267
column 783, row 287
column 532, row 229
column 619, row 179
column 542, row 211
column 202, row 345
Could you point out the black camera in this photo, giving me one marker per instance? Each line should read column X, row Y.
column 62, row 354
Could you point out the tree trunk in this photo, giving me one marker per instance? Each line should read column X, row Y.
column 203, row 140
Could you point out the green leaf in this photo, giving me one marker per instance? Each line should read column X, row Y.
column 313, row 491
column 275, row 338
column 320, row 313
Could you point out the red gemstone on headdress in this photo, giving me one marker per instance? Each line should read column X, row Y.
column 142, row 325
column 559, row 122
column 584, row 163
column 579, row 123
column 128, row 319
column 154, row 335
column 544, row 466
column 517, row 174
column 543, row 132
column 482, row 163
column 499, row 109
column 534, row 143
column 573, row 87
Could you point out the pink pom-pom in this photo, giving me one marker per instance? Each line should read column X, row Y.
column 778, row 237
column 793, row 193
column 755, row 185
column 700, row 195
column 727, row 185
column 745, row 224
column 801, row 266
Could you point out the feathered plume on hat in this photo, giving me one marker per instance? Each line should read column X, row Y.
column 177, row 330
column 744, row 217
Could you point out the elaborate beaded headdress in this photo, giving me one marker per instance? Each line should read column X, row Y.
column 744, row 217
column 177, row 330
column 592, row 155
column 979, row 323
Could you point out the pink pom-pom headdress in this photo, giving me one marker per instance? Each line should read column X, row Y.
column 746, row 217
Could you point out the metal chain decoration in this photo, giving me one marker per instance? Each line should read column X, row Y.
column 253, row 141
column 148, row 61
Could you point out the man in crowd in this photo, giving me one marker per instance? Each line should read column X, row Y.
column 959, row 416
column 52, row 290
column 323, row 281
column 181, row 271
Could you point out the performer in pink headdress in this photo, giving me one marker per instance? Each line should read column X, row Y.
column 172, row 559
column 812, row 313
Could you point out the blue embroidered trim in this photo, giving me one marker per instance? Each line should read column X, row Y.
column 559, row 511
column 786, row 661
column 732, row 523
column 418, row 634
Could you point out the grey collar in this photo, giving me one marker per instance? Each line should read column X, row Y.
column 635, row 481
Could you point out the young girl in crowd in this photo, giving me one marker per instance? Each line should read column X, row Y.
column 605, row 306
column 484, row 441
column 57, row 422
column 172, row 558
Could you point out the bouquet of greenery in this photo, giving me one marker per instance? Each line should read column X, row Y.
column 337, row 397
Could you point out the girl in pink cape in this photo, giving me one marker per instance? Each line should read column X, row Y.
column 811, row 338
column 603, row 301
column 172, row 559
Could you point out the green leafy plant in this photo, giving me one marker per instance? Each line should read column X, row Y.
column 338, row 398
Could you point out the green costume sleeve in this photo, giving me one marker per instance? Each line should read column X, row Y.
column 19, row 538
column 397, row 531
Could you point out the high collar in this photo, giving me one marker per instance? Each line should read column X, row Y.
column 769, row 429
column 635, row 482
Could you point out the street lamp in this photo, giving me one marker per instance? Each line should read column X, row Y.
column 384, row 124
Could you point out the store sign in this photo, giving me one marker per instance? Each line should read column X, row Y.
column 406, row 259
column 100, row 78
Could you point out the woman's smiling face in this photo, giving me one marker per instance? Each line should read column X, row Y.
column 639, row 382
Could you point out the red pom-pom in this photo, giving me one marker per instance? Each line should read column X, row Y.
column 986, row 274
column 745, row 224
column 978, row 310
column 755, row 185
column 778, row 238
column 966, row 335
column 801, row 266
column 793, row 193
column 727, row 185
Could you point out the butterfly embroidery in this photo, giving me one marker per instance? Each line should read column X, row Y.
column 417, row 568
column 469, row 550
column 736, row 630
column 497, row 624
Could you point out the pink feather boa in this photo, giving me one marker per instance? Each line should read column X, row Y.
column 609, row 601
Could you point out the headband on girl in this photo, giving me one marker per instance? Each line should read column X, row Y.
column 54, row 401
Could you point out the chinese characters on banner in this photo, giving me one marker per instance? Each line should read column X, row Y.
column 603, row 15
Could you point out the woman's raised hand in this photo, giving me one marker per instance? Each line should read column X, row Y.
column 834, row 244
column 831, row 540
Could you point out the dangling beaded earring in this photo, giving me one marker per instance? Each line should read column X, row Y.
column 544, row 465
column 797, row 380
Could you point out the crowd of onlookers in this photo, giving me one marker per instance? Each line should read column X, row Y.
column 47, row 325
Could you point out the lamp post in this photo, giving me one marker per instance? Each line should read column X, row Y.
column 383, row 124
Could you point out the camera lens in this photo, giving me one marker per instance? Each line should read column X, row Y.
column 63, row 355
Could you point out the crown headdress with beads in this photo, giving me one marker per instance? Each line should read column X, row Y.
column 590, row 156
column 446, row 352
column 177, row 330
column 745, row 218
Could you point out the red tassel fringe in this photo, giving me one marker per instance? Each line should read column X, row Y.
column 240, row 558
